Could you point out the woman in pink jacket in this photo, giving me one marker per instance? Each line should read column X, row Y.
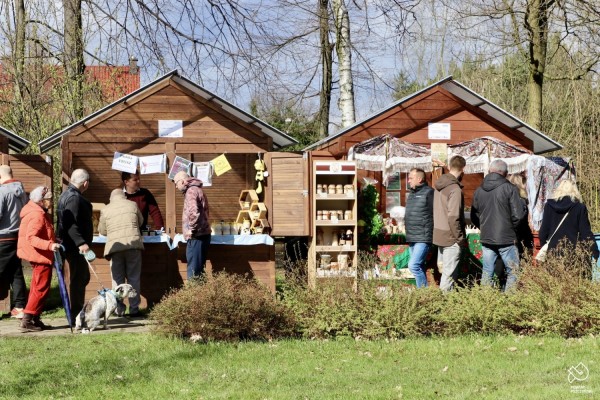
column 36, row 244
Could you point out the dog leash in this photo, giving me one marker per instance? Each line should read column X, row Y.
column 94, row 272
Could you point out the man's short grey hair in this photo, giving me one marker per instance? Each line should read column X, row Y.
column 79, row 176
column 37, row 194
column 499, row 167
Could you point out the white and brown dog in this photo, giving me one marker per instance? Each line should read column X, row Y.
column 102, row 305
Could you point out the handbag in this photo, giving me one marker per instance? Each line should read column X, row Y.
column 541, row 255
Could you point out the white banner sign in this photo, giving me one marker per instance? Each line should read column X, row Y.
column 153, row 164
column 125, row 162
column 170, row 128
column 204, row 172
column 439, row 130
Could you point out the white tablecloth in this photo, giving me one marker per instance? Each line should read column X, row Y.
column 164, row 238
column 235, row 240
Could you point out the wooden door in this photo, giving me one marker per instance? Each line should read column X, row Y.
column 286, row 194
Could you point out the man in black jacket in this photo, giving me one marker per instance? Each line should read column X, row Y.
column 76, row 230
column 418, row 221
column 497, row 211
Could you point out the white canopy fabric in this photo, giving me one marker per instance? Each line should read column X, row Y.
column 389, row 155
column 479, row 153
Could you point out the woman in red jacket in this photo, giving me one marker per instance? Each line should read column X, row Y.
column 36, row 244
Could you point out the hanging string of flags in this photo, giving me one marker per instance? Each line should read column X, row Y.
column 157, row 164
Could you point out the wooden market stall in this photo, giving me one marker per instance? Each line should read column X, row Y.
column 438, row 117
column 206, row 126
column 32, row 170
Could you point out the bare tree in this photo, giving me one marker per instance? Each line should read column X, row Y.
column 73, row 56
column 343, row 46
column 527, row 26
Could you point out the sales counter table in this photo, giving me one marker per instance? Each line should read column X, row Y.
column 164, row 265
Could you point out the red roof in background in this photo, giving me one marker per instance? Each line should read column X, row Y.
column 115, row 81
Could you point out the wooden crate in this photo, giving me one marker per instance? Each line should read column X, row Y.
column 258, row 211
column 261, row 226
column 248, row 196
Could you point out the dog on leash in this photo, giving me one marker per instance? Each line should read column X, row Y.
column 102, row 306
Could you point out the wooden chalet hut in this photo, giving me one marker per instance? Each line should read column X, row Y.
column 466, row 114
column 211, row 127
column 32, row 170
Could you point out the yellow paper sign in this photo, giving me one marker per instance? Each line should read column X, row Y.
column 221, row 165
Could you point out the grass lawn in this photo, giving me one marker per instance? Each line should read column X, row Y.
column 146, row 366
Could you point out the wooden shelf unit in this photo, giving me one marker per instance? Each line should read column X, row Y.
column 325, row 230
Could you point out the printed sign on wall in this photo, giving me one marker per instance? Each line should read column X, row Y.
column 170, row 128
column 125, row 162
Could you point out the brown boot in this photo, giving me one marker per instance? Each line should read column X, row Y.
column 27, row 324
column 38, row 322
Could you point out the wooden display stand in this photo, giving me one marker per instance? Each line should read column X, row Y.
column 333, row 247
column 254, row 210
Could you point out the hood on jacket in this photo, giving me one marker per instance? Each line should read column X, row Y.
column 192, row 182
column 13, row 187
column 29, row 208
column 446, row 180
column 492, row 181
column 561, row 206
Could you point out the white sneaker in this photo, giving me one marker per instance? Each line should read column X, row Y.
column 16, row 313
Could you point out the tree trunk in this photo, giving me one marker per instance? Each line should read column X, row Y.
column 73, row 58
column 344, row 53
column 536, row 22
column 19, row 61
column 327, row 67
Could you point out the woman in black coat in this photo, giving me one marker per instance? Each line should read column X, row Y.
column 576, row 226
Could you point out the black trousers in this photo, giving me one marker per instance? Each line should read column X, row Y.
column 11, row 274
column 79, row 277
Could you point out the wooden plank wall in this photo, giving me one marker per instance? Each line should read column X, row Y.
column 32, row 170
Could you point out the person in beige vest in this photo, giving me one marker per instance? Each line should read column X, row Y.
column 120, row 222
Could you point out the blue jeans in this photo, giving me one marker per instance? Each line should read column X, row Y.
column 510, row 258
column 196, row 252
column 416, row 264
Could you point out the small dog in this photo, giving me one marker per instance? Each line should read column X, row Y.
column 102, row 305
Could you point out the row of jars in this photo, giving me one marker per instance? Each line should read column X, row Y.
column 342, row 262
column 334, row 215
column 335, row 189
column 335, row 238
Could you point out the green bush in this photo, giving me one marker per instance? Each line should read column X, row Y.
column 224, row 308
column 556, row 297
column 559, row 297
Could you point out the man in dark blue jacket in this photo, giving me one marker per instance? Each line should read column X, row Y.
column 418, row 221
column 497, row 210
column 76, row 230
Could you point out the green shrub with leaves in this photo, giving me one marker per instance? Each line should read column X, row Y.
column 559, row 296
column 556, row 297
column 224, row 308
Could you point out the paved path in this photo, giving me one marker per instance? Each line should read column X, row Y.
column 10, row 326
